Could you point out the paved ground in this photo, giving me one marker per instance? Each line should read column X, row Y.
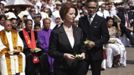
column 128, row 70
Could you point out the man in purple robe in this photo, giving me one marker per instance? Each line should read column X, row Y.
column 43, row 39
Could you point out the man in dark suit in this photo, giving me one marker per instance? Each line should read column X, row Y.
column 96, row 33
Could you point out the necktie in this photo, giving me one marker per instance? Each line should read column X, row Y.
column 103, row 15
column 110, row 14
column 127, row 21
column 89, row 18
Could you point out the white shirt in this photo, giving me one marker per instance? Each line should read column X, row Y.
column 69, row 33
column 55, row 15
column 91, row 19
column 104, row 13
column 1, row 27
column 112, row 13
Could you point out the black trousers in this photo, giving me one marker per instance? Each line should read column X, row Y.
column 41, row 68
column 79, row 70
column 125, row 31
column 95, row 66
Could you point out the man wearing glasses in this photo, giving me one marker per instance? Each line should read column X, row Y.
column 95, row 36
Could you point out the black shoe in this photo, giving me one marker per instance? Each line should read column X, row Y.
column 116, row 65
column 132, row 45
column 102, row 69
column 17, row 74
column 51, row 73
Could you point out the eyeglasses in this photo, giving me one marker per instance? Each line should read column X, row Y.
column 91, row 7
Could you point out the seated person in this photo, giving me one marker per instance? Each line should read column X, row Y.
column 36, row 60
column 43, row 39
column 116, row 53
column 12, row 59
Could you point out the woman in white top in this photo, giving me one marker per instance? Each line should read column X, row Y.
column 116, row 53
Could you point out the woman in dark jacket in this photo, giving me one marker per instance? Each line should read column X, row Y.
column 66, row 44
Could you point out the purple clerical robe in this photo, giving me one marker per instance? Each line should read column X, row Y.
column 43, row 39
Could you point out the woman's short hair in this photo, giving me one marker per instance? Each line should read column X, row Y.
column 65, row 8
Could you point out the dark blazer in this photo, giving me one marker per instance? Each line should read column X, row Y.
column 121, row 15
column 96, row 31
column 59, row 44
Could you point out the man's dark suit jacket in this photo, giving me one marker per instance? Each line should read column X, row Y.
column 96, row 31
column 59, row 44
column 121, row 15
